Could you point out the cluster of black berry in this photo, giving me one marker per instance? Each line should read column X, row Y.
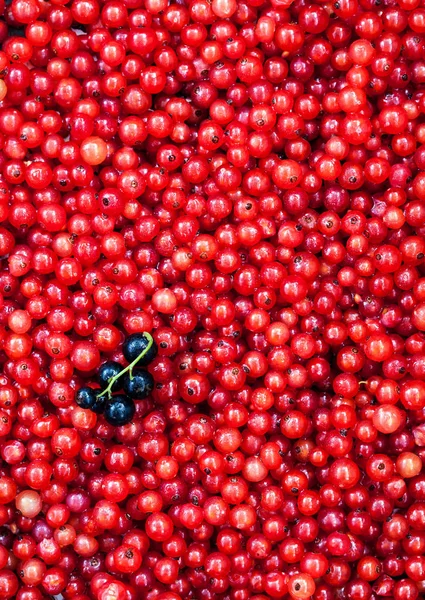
column 133, row 382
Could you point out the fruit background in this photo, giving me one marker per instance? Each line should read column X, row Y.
column 212, row 299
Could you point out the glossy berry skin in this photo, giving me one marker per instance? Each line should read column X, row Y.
column 99, row 405
column 119, row 410
column 134, row 345
column 86, row 397
column 139, row 385
column 108, row 370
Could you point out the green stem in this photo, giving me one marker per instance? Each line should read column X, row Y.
column 129, row 367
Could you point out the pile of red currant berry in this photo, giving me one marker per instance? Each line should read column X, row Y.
column 212, row 299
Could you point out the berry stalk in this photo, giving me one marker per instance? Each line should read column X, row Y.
column 130, row 367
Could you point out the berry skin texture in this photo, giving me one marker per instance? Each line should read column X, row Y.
column 139, row 386
column 212, row 300
column 86, row 397
column 134, row 345
column 108, row 370
column 119, row 410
